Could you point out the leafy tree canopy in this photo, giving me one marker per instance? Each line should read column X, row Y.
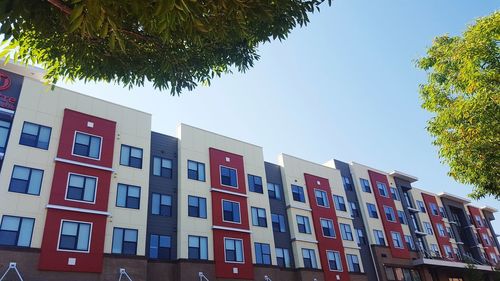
column 173, row 43
column 463, row 93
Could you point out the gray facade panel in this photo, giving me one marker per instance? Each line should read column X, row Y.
column 163, row 146
column 366, row 255
column 281, row 239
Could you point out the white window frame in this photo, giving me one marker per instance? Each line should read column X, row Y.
column 326, row 197
column 87, row 157
column 400, row 239
column 239, row 210
column 242, row 250
column 220, row 177
column 60, row 232
column 333, row 226
column 81, row 201
column 340, row 262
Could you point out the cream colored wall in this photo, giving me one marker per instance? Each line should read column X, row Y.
column 360, row 171
column 42, row 106
column 424, row 217
column 194, row 145
column 399, row 207
column 293, row 170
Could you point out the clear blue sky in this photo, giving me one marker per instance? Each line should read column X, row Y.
column 343, row 87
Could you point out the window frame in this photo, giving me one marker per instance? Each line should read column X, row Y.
column 90, row 135
column 280, row 217
column 198, row 174
column 328, row 222
column 324, row 198
column 130, row 156
column 89, row 243
column 364, row 187
column 19, row 229
column 170, row 170
column 251, row 184
column 275, row 191
column 84, row 183
column 346, row 232
column 235, row 251
column 198, row 199
column 350, row 260
column 404, row 220
column 262, row 254
column 314, row 262
column 298, row 191
column 371, row 212
column 169, row 207
column 399, row 240
column 200, row 239
column 28, row 181
column 337, row 259
column 286, row 259
column 239, row 211
column 159, row 247
column 379, row 184
column 126, row 196
column 378, row 237
column 339, row 206
column 257, row 214
column 391, row 212
column 307, row 224
column 236, row 186
column 395, row 193
column 37, row 138
column 123, row 240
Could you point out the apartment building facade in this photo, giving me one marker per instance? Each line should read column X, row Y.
column 89, row 192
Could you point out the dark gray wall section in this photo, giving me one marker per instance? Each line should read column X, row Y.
column 366, row 256
column 166, row 147
column 281, row 239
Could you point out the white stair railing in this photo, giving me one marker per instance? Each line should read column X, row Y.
column 123, row 273
column 202, row 276
column 12, row 266
column 266, row 278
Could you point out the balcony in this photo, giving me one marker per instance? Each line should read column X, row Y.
column 429, row 258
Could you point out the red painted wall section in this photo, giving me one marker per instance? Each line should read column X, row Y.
column 76, row 121
column 53, row 259
column 225, row 269
column 318, row 212
column 435, row 219
column 222, row 158
column 60, row 183
column 482, row 229
column 389, row 226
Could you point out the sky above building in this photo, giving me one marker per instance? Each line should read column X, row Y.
column 344, row 87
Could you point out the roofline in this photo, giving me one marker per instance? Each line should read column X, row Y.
column 30, row 71
column 489, row 209
column 403, row 176
column 454, row 197
column 226, row 137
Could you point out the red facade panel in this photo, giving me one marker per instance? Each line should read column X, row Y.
column 482, row 229
column 223, row 269
column 60, row 185
column 389, row 226
column 231, row 270
column 76, row 121
column 319, row 212
column 437, row 219
column 59, row 260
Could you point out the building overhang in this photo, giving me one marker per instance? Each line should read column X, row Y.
column 489, row 209
column 454, row 198
column 445, row 263
column 403, row 176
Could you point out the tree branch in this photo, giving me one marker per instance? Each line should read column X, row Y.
column 60, row 5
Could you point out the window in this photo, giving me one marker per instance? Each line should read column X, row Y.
column 389, row 214
column 360, row 237
column 162, row 167
column 442, row 212
column 478, row 220
column 402, row 217
column 231, row 211
column 389, row 272
column 396, row 240
column 346, row 232
column 262, row 253
column 421, row 206
column 298, row 193
column 347, row 183
column 334, row 262
column 26, row 180
column 339, row 203
column 434, row 209
column 309, row 258
column 16, row 231
column 428, row 228
column 81, row 188
column 303, row 224
column 75, row 236
column 409, row 242
column 395, row 194
column 321, row 198
column 493, row 258
column 4, row 133
column 283, row 257
column 128, row 196
column 353, row 263
column 447, row 251
column 233, row 249
column 435, row 249
column 486, row 239
column 327, row 228
column 87, row 145
column 382, row 189
column 196, row 170
column 124, row 241
column 372, row 210
column 160, row 247
column 450, row 232
column 278, row 222
column 161, row 205
column 131, row 156
column 274, row 191
column 379, row 237
column 35, row 135
column 354, row 209
column 365, row 185
column 197, row 207
column 197, row 247
column 255, row 184
column 441, row 230
column 259, row 217
column 228, row 176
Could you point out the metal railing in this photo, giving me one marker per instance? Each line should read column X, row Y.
column 12, row 266
column 123, row 273
column 202, row 276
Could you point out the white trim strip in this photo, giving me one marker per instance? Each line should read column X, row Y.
column 298, row 207
column 231, row 229
column 305, row 240
column 84, row 164
column 80, row 210
column 11, row 112
column 228, row 192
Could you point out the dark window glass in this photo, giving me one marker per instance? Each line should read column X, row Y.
column 283, row 257
column 262, row 253
column 87, row 146
column 274, row 191
column 75, row 236
column 131, row 156
column 353, row 263
column 259, row 217
column 278, row 223
column 303, row 224
column 228, row 176
column 16, row 231
column 162, row 167
column 255, row 184
column 35, row 135
column 196, row 170
column 298, row 193
column 365, row 185
column 197, row 247
column 231, row 211
column 26, row 180
column 128, row 196
column 81, row 188
column 347, row 183
column 124, row 241
column 339, row 203
column 197, row 207
column 160, row 247
column 161, row 205
column 372, row 210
